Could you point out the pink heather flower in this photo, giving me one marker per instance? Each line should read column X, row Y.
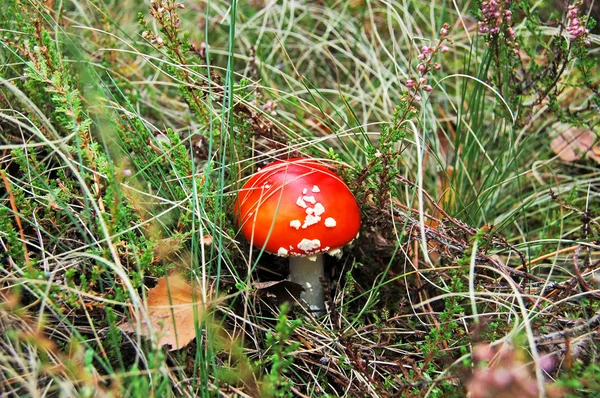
column 494, row 15
column 511, row 33
column 426, row 65
column 575, row 28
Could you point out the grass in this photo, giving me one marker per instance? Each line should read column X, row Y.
column 127, row 129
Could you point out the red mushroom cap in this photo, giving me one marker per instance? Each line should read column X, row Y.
column 297, row 207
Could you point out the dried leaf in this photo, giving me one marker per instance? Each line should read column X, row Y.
column 594, row 153
column 574, row 143
column 281, row 290
column 173, row 308
column 207, row 240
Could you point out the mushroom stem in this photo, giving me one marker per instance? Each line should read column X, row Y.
column 308, row 273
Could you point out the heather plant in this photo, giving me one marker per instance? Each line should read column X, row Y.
column 468, row 135
column 276, row 383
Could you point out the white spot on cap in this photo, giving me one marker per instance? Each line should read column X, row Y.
column 319, row 209
column 316, row 189
column 310, row 210
column 304, row 191
column 300, row 202
column 307, row 245
column 295, row 224
column 335, row 252
column 309, row 199
column 310, row 220
column 282, row 252
column 330, row 222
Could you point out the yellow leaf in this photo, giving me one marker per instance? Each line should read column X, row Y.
column 174, row 307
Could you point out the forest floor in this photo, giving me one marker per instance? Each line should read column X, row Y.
column 468, row 134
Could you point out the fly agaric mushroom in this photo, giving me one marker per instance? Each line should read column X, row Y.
column 299, row 209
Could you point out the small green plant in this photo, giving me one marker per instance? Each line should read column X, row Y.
column 581, row 379
column 276, row 383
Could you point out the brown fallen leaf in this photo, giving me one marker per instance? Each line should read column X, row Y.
column 573, row 143
column 207, row 240
column 280, row 290
column 173, row 308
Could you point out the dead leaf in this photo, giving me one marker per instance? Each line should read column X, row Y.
column 281, row 290
column 207, row 240
column 594, row 153
column 573, row 143
column 173, row 308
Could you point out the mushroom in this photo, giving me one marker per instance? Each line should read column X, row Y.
column 299, row 209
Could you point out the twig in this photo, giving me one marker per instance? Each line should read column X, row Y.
column 579, row 330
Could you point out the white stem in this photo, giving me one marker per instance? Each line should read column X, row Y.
column 308, row 273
